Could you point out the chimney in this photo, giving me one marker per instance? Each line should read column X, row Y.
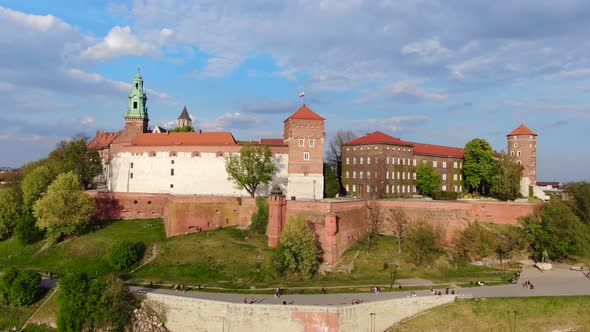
column 200, row 131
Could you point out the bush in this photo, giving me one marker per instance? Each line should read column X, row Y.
column 422, row 243
column 474, row 242
column 20, row 288
column 298, row 251
column 26, row 229
column 125, row 253
column 260, row 218
column 444, row 195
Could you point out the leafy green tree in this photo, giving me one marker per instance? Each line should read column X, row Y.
column 508, row 241
column 183, row 129
column 422, row 243
column 26, row 229
column 580, row 197
column 479, row 167
column 125, row 253
column 7, row 278
column 260, row 218
column 506, row 185
column 65, row 209
column 34, row 184
column 334, row 153
column 251, row 168
column 298, row 250
column 77, row 157
column 331, row 186
column 72, row 299
column 25, row 289
column 10, row 209
column 557, row 229
column 427, row 179
column 474, row 242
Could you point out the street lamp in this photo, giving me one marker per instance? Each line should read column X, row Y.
column 372, row 321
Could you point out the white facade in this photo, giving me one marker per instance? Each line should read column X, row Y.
column 303, row 186
column 183, row 174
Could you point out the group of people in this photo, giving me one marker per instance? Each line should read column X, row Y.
column 250, row 301
column 277, row 293
column 178, row 287
column 357, row 301
column 438, row 293
column 528, row 284
column 375, row 290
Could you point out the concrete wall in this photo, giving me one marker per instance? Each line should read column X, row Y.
column 190, row 314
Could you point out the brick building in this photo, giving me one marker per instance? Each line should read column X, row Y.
column 380, row 165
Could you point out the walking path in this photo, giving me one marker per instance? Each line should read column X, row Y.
column 557, row 282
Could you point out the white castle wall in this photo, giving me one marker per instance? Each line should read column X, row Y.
column 193, row 175
column 303, row 186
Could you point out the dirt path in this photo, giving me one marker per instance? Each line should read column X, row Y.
column 154, row 255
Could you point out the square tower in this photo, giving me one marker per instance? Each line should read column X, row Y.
column 304, row 133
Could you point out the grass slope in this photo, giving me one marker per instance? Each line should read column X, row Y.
column 16, row 316
column 532, row 314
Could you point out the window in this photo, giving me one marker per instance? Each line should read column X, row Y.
column 387, row 160
column 354, row 174
column 444, row 164
column 518, row 153
column 172, row 171
column 301, row 142
column 311, row 142
column 354, row 160
column 454, row 177
column 134, row 105
column 398, row 176
column 414, row 162
column 368, row 160
column 346, row 188
column 460, row 165
column 347, row 174
column 398, row 161
column 171, row 186
column 434, row 163
column 134, row 202
column 444, row 177
column 347, row 160
column 424, row 162
column 460, row 188
column 515, row 145
column 512, row 153
column 347, row 149
column 455, row 164
column 131, row 166
column 414, row 175
column 149, row 202
column 361, row 160
column 403, row 176
column 404, row 189
column 368, row 175
column 137, row 85
column 387, row 189
column 361, row 174
column 354, row 188
column 444, row 187
column 404, row 161
column 460, row 176
column 172, row 162
column 397, row 189
column 368, row 188
column 131, row 176
column 387, row 175
column 305, row 155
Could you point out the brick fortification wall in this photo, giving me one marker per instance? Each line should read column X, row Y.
column 187, row 214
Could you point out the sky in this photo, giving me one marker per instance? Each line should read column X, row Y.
column 439, row 72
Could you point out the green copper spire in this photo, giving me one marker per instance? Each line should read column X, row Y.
column 137, row 99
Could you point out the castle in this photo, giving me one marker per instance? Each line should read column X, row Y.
column 137, row 160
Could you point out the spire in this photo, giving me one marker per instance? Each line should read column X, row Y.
column 184, row 119
column 137, row 107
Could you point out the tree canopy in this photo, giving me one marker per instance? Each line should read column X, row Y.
column 65, row 208
column 479, row 167
column 427, row 179
column 298, row 250
column 251, row 168
column 10, row 208
column 183, row 129
column 35, row 183
column 77, row 157
column 331, row 186
column 334, row 153
column 580, row 199
column 506, row 185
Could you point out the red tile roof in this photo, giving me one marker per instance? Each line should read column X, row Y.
column 378, row 137
column 273, row 141
column 102, row 140
column 304, row 113
column 522, row 130
column 186, row 139
column 437, row 150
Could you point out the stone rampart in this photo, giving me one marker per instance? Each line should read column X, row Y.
column 191, row 314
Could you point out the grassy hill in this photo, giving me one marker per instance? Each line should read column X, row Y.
column 229, row 258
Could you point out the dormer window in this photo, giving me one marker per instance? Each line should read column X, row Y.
column 134, row 105
column 136, row 85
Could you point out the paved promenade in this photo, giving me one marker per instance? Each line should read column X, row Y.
column 558, row 282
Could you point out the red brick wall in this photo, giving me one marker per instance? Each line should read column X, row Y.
column 128, row 205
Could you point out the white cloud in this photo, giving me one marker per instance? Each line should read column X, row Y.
column 88, row 121
column 412, row 88
column 230, row 121
column 37, row 22
column 577, row 73
column 391, row 125
column 458, row 70
column 218, row 67
column 430, row 49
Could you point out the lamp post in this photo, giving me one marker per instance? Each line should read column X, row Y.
column 372, row 321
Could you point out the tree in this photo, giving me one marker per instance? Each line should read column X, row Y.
column 34, row 184
column 331, row 186
column 479, row 167
column 334, row 153
column 251, row 168
column 400, row 222
column 183, row 129
column 10, row 209
column 26, row 229
column 375, row 216
column 506, row 185
column 474, row 242
column 298, row 250
column 77, row 157
column 20, row 287
column 65, row 208
column 260, row 218
column 508, row 240
column 71, row 299
column 580, row 194
column 124, row 254
column 422, row 243
column 556, row 229
column 427, row 179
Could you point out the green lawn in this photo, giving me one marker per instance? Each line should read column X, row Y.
column 532, row 314
column 229, row 258
column 17, row 316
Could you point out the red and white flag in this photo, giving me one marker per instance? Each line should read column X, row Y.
column 302, row 94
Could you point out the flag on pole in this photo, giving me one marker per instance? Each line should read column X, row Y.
column 302, row 94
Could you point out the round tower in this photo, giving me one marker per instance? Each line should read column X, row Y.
column 522, row 145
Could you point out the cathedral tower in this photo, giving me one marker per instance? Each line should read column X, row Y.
column 184, row 119
column 136, row 116
column 304, row 133
column 522, row 145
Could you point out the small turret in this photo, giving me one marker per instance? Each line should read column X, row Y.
column 184, row 119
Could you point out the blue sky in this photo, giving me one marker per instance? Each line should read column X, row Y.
column 440, row 72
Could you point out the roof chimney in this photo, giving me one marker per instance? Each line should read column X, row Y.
column 200, row 131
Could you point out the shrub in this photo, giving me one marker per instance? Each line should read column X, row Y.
column 20, row 288
column 474, row 242
column 442, row 195
column 26, row 229
column 298, row 251
column 124, row 253
column 260, row 218
column 422, row 243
